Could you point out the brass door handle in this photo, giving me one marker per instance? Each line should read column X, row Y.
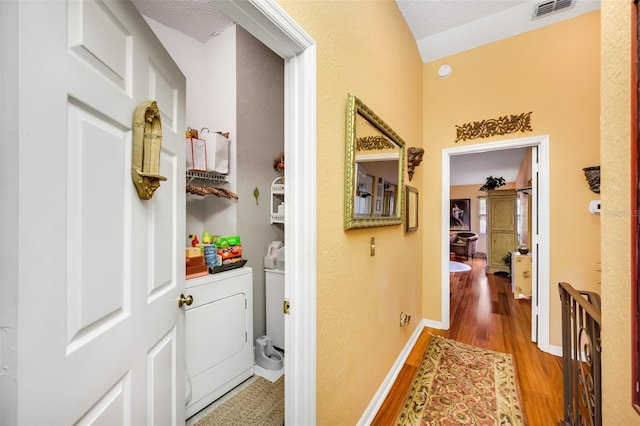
column 185, row 300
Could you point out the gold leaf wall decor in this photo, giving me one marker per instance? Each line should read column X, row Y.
column 370, row 143
column 494, row 126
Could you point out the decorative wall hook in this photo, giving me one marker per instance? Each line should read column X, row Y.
column 593, row 178
column 145, row 156
column 414, row 158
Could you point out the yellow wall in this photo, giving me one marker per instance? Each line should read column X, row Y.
column 554, row 72
column 617, row 215
column 367, row 49
column 524, row 174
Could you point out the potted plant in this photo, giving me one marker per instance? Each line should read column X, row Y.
column 492, row 183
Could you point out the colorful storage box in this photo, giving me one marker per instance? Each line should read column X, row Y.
column 229, row 241
column 195, row 261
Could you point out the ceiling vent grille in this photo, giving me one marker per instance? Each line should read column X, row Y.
column 548, row 7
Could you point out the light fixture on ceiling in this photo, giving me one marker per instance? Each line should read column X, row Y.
column 444, row 71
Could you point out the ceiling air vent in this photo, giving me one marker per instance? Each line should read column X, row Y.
column 548, row 7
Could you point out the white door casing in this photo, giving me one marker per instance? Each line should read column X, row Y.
column 100, row 338
column 266, row 21
column 540, row 232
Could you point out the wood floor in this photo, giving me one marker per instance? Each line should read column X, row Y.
column 484, row 314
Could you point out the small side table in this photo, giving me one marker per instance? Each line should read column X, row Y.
column 521, row 275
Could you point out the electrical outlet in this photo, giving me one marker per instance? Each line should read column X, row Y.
column 405, row 319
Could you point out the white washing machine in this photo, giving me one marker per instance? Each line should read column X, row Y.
column 274, row 283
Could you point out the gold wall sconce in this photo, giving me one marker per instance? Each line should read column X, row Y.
column 414, row 158
column 593, row 178
column 147, row 141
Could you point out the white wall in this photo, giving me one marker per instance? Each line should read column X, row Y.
column 211, row 91
column 219, row 89
column 236, row 85
column 260, row 122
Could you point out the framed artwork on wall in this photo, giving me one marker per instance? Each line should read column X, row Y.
column 411, row 214
column 460, row 214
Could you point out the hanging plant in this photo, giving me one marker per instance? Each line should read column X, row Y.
column 492, row 183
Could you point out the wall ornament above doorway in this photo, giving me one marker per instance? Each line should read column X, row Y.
column 494, row 126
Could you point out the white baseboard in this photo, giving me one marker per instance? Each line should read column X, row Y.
column 371, row 411
column 554, row 350
column 438, row 325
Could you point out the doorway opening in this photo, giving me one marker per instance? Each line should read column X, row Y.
column 270, row 24
column 539, row 239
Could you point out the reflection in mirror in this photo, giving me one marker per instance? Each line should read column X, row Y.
column 374, row 170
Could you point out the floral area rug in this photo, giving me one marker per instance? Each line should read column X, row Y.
column 458, row 384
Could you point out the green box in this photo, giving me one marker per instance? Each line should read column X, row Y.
column 223, row 242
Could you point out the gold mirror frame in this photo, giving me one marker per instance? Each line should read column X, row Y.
column 381, row 141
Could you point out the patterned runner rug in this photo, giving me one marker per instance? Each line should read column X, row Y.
column 459, row 384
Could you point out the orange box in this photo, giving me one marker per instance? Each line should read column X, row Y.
column 230, row 252
column 197, row 271
column 195, row 261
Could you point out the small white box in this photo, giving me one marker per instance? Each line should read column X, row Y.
column 196, row 154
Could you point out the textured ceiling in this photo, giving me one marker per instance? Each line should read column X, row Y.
column 440, row 27
column 471, row 169
column 427, row 18
column 198, row 19
column 444, row 27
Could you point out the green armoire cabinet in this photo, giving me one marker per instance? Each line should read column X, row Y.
column 502, row 236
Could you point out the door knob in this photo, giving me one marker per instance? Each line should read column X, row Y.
column 185, row 300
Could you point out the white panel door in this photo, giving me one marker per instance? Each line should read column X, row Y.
column 100, row 335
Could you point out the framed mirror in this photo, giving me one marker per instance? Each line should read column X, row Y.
column 374, row 191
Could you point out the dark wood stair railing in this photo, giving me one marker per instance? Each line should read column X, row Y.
column 581, row 356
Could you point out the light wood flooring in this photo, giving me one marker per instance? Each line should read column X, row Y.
column 484, row 314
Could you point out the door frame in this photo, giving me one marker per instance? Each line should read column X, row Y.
column 541, row 270
column 269, row 23
column 9, row 217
